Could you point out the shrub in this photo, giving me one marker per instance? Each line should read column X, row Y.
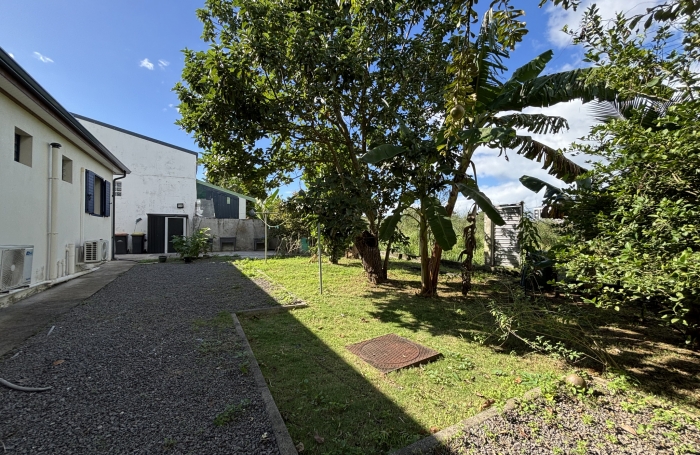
column 193, row 245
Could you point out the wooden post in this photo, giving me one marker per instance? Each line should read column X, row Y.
column 320, row 268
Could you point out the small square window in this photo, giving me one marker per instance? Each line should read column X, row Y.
column 118, row 188
column 67, row 170
column 23, row 148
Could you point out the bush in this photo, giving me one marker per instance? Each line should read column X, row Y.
column 192, row 246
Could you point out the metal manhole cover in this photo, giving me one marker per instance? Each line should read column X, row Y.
column 392, row 352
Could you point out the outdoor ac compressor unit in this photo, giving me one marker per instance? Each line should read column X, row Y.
column 96, row 250
column 15, row 266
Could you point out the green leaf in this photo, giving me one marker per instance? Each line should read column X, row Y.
column 535, row 184
column 381, row 153
column 388, row 226
column 532, row 69
column 472, row 192
column 440, row 223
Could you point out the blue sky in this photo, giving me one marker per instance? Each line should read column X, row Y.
column 117, row 62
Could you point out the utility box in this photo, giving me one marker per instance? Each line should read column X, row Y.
column 15, row 266
column 501, row 247
column 137, row 240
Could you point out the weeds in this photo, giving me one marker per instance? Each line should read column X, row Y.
column 231, row 412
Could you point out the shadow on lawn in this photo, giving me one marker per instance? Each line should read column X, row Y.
column 650, row 353
column 326, row 404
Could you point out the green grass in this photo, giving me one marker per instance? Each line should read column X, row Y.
column 323, row 390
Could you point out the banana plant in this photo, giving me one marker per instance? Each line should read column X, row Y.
column 425, row 177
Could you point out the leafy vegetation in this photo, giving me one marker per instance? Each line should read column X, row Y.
column 192, row 246
column 633, row 237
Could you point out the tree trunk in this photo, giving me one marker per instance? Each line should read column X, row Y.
column 427, row 288
column 469, row 247
column 385, row 268
column 460, row 175
column 368, row 246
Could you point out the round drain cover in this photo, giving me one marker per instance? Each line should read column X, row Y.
column 395, row 352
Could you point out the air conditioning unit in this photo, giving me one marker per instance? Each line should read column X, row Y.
column 15, row 266
column 96, row 250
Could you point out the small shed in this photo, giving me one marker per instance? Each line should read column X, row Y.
column 501, row 246
column 217, row 202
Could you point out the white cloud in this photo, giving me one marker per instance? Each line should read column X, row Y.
column 146, row 64
column 162, row 64
column 498, row 177
column 12, row 55
column 42, row 58
column 559, row 17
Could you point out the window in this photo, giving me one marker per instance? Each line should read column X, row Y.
column 118, row 188
column 67, row 170
column 18, row 138
column 97, row 195
column 23, row 148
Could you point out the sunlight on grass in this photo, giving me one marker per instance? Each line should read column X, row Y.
column 323, row 390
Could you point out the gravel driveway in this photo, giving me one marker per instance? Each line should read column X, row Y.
column 149, row 364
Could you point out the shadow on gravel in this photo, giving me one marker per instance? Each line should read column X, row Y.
column 149, row 364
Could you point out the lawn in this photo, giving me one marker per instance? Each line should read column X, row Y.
column 333, row 402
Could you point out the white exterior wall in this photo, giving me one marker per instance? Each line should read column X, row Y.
column 160, row 178
column 24, row 192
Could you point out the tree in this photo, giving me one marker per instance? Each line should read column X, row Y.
column 478, row 102
column 290, row 85
column 643, row 247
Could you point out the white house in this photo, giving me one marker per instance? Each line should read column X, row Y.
column 55, row 184
column 158, row 198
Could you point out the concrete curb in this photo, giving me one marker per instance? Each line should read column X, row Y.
column 271, row 310
column 284, row 440
column 21, row 294
column 426, row 445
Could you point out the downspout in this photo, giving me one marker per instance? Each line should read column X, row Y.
column 54, row 170
column 114, row 213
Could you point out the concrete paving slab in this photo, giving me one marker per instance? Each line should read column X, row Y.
column 25, row 318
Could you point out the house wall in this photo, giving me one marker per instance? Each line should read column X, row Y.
column 245, row 231
column 160, row 178
column 24, row 189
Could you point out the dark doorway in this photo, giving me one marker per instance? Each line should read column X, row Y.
column 161, row 228
column 176, row 226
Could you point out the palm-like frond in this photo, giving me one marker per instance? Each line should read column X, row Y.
column 489, row 60
column 648, row 111
column 554, row 88
column 553, row 160
column 534, row 123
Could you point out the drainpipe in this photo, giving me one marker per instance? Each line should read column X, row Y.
column 54, row 170
column 114, row 213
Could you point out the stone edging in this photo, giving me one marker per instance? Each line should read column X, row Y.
column 284, row 440
column 271, row 310
column 426, row 445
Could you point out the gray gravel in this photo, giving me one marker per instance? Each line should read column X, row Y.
column 604, row 423
column 144, row 366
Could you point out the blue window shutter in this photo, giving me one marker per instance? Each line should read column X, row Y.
column 89, row 192
column 107, row 197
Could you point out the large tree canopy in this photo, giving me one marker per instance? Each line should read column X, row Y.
column 312, row 85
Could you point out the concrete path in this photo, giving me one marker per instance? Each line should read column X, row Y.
column 23, row 319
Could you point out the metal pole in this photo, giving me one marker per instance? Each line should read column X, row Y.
column 320, row 269
column 265, row 236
